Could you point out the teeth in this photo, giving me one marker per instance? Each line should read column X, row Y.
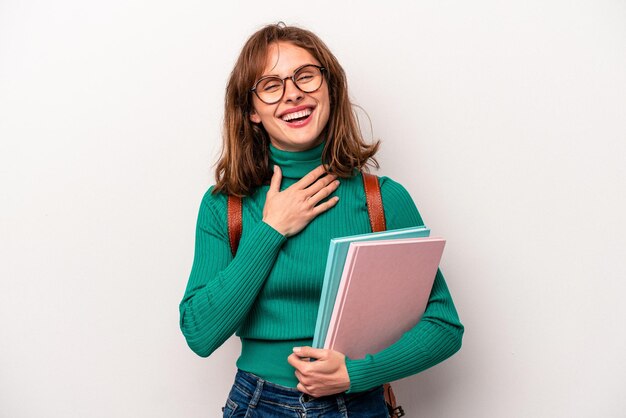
column 296, row 115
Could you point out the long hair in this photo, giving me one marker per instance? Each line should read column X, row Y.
column 244, row 161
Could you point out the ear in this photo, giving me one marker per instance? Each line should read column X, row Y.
column 254, row 117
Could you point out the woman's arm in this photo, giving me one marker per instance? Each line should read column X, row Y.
column 435, row 338
column 222, row 289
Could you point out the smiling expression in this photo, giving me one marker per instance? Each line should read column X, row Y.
column 297, row 121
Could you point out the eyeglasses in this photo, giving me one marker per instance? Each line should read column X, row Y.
column 270, row 89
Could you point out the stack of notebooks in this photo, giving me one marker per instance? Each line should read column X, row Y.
column 376, row 287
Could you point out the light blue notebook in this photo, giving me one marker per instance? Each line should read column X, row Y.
column 337, row 252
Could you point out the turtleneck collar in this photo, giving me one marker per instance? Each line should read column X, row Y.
column 295, row 164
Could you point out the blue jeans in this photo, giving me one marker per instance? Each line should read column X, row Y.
column 252, row 396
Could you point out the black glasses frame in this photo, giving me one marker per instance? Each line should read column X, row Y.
column 283, row 80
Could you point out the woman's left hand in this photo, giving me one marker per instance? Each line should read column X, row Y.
column 326, row 375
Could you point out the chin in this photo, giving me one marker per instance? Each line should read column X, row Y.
column 296, row 144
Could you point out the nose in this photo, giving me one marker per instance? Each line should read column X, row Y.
column 292, row 93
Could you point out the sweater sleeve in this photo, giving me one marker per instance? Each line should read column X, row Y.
column 221, row 289
column 436, row 337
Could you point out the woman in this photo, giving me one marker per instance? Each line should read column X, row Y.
column 290, row 140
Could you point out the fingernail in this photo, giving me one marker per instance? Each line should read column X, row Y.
column 297, row 349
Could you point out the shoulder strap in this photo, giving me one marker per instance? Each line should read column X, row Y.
column 374, row 200
column 376, row 211
column 235, row 226
column 373, row 197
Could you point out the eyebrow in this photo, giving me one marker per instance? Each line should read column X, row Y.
column 293, row 72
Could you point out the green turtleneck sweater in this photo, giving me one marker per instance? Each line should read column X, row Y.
column 269, row 292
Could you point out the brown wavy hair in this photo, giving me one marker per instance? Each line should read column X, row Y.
column 244, row 161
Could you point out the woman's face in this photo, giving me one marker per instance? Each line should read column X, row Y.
column 286, row 133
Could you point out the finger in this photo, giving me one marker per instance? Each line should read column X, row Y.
column 302, row 389
column 298, row 363
column 299, row 375
column 321, row 183
column 323, row 207
column 324, row 193
column 295, row 361
column 306, row 382
column 310, row 352
column 310, row 177
column 276, row 179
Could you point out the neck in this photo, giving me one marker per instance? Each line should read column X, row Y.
column 296, row 164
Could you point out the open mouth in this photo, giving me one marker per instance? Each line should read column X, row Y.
column 297, row 117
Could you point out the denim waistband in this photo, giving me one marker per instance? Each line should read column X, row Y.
column 259, row 389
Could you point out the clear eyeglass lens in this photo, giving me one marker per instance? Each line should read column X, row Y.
column 308, row 79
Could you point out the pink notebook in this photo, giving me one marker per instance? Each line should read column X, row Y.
column 383, row 293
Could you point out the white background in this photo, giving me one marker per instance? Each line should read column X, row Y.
column 506, row 121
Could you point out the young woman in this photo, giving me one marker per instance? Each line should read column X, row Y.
column 293, row 151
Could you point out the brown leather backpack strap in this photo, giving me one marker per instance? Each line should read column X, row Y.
column 376, row 212
column 395, row 410
column 235, row 222
column 374, row 202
